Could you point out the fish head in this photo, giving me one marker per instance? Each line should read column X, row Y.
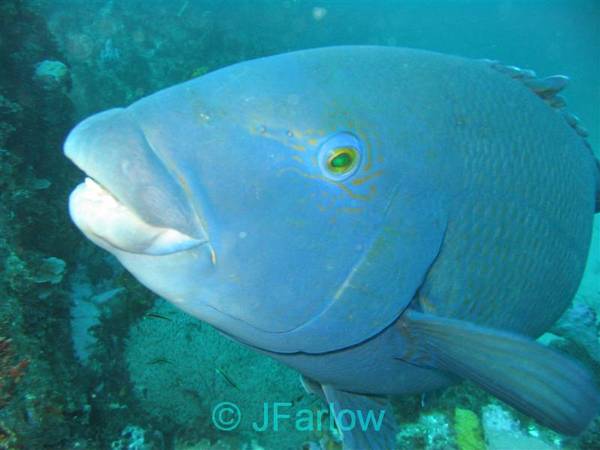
column 261, row 198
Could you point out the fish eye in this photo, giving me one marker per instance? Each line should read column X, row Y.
column 342, row 160
column 340, row 156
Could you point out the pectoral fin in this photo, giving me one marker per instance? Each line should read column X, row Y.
column 312, row 387
column 365, row 422
column 540, row 382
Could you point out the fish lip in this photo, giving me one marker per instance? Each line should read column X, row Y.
column 94, row 200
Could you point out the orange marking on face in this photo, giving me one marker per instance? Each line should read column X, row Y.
column 340, row 185
column 369, row 150
column 359, row 181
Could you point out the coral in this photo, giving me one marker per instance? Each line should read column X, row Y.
column 469, row 435
column 78, row 46
column 411, row 436
column 10, row 119
column 50, row 270
column 52, row 75
column 11, row 370
column 220, row 444
column 205, row 444
column 134, row 437
column 16, row 273
column 38, row 396
column 109, row 53
column 431, row 432
column 438, row 432
column 21, row 275
column 8, row 438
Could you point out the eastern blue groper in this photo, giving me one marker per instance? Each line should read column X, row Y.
column 384, row 220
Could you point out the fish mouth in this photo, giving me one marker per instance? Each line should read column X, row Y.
column 110, row 223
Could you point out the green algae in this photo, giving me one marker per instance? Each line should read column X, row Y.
column 469, row 434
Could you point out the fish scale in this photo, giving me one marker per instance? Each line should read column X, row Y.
column 528, row 187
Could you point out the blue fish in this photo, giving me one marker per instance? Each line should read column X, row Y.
column 386, row 221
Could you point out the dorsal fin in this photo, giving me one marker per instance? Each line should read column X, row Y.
column 546, row 88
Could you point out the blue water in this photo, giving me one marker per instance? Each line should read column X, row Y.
column 550, row 36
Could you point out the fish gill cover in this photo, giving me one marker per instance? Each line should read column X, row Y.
column 91, row 359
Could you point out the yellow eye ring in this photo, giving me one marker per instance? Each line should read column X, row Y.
column 342, row 160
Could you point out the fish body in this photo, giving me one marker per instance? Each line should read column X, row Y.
column 385, row 220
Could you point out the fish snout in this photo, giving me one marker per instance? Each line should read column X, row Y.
column 129, row 200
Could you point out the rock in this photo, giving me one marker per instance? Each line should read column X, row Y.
column 579, row 324
column 502, row 432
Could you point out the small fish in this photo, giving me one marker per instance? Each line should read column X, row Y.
column 159, row 360
column 195, row 395
column 158, row 316
column 300, row 399
column 227, row 378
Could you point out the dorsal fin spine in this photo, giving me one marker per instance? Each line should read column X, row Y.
column 546, row 88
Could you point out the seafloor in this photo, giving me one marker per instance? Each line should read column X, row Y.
column 89, row 359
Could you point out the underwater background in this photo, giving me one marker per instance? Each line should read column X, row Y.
column 90, row 359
